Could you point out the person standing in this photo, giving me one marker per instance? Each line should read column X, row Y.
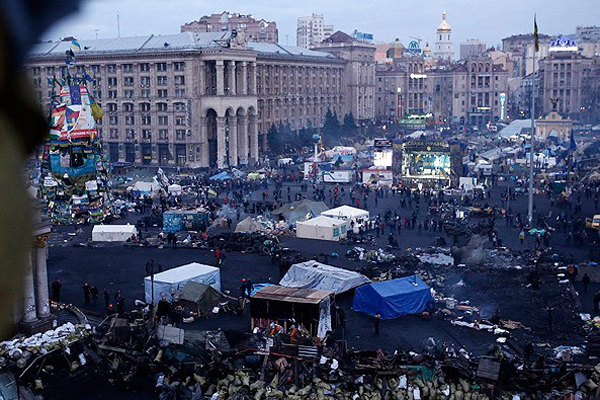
column 106, row 298
column 56, row 286
column 376, row 322
column 585, row 279
column 94, row 293
column 86, row 293
column 522, row 236
column 218, row 256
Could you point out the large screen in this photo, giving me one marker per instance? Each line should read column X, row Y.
column 383, row 158
column 426, row 165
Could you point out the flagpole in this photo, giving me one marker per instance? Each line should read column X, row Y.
column 535, row 49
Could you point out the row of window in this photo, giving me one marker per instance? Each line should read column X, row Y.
column 163, row 134
column 129, row 107
column 144, row 93
column 161, row 80
column 147, row 120
column 112, row 68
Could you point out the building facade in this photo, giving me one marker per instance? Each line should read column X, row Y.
column 255, row 30
column 471, row 47
column 562, row 73
column 444, row 48
column 359, row 73
column 205, row 99
column 312, row 30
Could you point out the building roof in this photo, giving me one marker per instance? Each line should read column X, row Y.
column 171, row 42
column 444, row 26
column 339, row 37
column 292, row 295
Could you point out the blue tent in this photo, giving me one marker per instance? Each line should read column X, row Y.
column 392, row 299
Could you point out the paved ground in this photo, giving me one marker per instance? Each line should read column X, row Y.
column 115, row 266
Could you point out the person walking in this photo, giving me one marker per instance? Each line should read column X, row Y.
column 56, row 286
column 376, row 322
column 106, row 298
column 585, row 279
column 94, row 293
column 86, row 293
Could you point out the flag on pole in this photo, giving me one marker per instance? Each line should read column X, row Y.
column 572, row 144
column 75, row 45
column 535, row 35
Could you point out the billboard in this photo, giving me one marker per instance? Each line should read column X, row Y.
column 383, row 158
column 426, row 160
column 414, row 48
column 378, row 177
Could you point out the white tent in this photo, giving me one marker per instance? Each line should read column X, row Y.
column 348, row 213
column 317, row 276
column 113, row 233
column 177, row 277
column 175, row 189
column 324, row 228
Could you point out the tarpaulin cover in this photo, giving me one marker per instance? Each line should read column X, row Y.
column 317, row 276
column 176, row 278
column 113, row 233
column 394, row 298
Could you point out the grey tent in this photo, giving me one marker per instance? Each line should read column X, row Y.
column 300, row 210
column 249, row 224
column 200, row 297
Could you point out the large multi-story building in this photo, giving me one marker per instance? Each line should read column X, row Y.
column 205, row 99
column 471, row 47
column 473, row 92
column 256, row 31
column 444, row 48
column 311, row 31
column 562, row 74
column 359, row 73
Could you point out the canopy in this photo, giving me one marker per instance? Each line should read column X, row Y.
column 204, row 296
column 394, row 298
column 113, row 233
column 177, row 277
column 300, row 210
column 346, row 213
column 314, row 275
column 323, row 228
column 145, row 188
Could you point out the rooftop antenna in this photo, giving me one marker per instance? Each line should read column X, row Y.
column 96, row 30
column 118, row 27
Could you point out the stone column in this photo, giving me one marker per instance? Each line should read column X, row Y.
column 42, row 297
column 29, row 309
column 253, row 140
column 220, row 67
column 204, row 148
column 202, row 78
column 244, row 84
column 233, row 141
column 243, row 139
column 252, row 78
column 221, row 144
column 232, row 80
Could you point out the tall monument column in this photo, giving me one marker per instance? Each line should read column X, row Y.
column 244, row 79
column 220, row 68
column 29, row 309
column 42, row 298
column 221, row 143
column 232, row 78
column 233, row 141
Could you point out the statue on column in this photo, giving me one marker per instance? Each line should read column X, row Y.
column 238, row 40
column 554, row 101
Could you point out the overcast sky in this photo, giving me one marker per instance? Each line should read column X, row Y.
column 486, row 20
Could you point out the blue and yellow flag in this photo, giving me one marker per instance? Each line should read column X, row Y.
column 75, row 45
column 535, row 35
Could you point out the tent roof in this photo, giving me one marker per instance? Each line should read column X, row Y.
column 292, row 295
column 314, row 275
column 185, row 272
column 115, row 228
column 322, row 221
column 345, row 211
column 249, row 224
column 394, row 287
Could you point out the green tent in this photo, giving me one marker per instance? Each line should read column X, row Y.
column 200, row 297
